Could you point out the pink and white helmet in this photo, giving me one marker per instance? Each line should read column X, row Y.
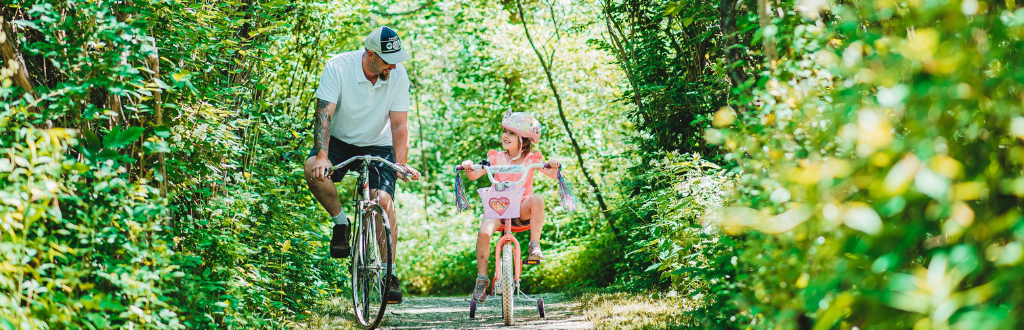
column 523, row 124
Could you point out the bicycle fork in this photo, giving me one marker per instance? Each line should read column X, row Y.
column 507, row 238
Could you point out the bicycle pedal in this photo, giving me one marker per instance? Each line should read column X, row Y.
column 394, row 302
column 531, row 262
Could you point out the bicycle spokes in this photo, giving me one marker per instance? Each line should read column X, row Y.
column 369, row 269
column 370, row 272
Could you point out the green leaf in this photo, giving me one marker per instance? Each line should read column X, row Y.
column 155, row 147
column 684, row 270
column 179, row 76
column 161, row 83
column 119, row 139
column 162, row 131
column 92, row 142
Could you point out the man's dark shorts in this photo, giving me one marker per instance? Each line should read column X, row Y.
column 382, row 177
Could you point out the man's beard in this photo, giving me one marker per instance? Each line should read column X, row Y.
column 384, row 73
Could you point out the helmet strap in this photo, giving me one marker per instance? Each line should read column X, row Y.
column 518, row 155
column 521, row 145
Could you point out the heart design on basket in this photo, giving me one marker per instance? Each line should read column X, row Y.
column 499, row 204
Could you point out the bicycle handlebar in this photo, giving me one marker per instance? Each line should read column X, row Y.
column 367, row 158
column 479, row 167
column 492, row 169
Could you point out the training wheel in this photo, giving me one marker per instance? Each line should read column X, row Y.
column 540, row 307
column 472, row 309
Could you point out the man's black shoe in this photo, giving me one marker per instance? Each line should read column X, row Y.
column 394, row 290
column 340, row 241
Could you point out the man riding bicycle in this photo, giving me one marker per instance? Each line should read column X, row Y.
column 362, row 106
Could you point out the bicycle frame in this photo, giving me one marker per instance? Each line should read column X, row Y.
column 507, row 238
column 506, row 223
column 365, row 173
column 364, row 178
column 368, row 231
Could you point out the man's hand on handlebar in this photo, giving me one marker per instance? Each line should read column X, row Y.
column 411, row 173
column 319, row 170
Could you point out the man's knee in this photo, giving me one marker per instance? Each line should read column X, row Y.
column 308, row 167
column 382, row 196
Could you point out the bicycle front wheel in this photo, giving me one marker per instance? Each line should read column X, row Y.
column 370, row 266
column 507, row 285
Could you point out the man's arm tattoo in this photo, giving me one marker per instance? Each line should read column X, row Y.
column 321, row 127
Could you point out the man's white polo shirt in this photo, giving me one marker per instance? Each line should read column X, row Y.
column 361, row 117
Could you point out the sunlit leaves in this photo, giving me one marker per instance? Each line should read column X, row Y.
column 918, row 120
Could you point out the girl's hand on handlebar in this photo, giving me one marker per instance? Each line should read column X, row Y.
column 555, row 164
column 467, row 165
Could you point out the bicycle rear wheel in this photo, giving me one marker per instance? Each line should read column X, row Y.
column 370, row 267
column 507, row 285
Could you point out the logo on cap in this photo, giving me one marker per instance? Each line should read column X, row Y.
column 389, row 41
column 392, row 45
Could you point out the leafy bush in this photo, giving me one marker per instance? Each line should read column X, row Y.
column 674, row 244
column 880, row 164
column 164, row 205
column 81, row 245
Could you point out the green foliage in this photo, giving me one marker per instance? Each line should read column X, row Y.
column 182, row 128
column 116, row 138
column 81, row 245
column 881, row 169
column 668, row 50
column 222, row 249
column 877, row 153
column 673, row 242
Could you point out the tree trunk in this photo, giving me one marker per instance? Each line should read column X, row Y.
column 733, row 58
column 9, row 48
column 243, row 34
column 561, row 115
column 620, row 54
column 764, row 12
column 154, row 65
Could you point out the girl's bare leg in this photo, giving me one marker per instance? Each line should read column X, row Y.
column 533, row 207
column 483, row 244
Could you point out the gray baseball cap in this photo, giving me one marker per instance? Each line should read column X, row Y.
column 385, row 42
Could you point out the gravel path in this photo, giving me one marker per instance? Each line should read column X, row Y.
column 453, row 313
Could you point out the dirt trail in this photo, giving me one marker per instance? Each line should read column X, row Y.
column 453, row 313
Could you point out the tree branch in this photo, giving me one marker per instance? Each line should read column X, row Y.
column 387, row 14
column 620, row 53
column 764, row 11
column 561, row 115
